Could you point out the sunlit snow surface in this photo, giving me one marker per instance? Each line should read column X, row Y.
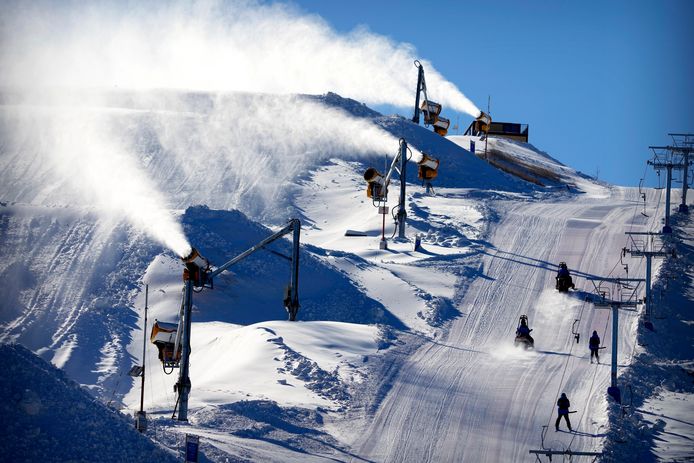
column 399, row 355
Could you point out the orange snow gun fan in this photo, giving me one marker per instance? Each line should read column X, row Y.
column 376, row 185
column 431, row 111
column 484, row 122
column 197, row 269
column 441, row 126
column 428, row 168
column 164, row 337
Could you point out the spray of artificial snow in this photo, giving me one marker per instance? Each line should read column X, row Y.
column 57, row 156
column 249, row 149
column 210, row 46
column 239, row 150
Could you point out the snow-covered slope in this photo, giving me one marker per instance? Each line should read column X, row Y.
column 47, row 417
column 398, row 353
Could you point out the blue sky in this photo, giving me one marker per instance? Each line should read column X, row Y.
column 598, row 82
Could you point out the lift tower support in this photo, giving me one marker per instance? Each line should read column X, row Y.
column 684, row 145
column 649, row 247
column 198, row 275
column 664, row 157
column 402, row 212
column 628, row 302
column 421, row 87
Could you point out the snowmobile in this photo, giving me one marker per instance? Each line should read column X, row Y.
column 564, row 281
column 523, row 334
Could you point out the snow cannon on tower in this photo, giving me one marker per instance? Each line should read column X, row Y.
column 164, row 336
column 428, row 168
column 428, row 108
column 173, row 339
column 484, row 122
column 376, row 187
column 197, row 269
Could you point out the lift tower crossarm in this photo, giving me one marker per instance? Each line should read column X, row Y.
column 674, row 149
column 649, row 250
column 669, row 165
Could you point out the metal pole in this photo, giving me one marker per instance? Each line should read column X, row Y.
column 667, row 228
column 144, row 352
column 648, row 286
column 183, row 385
column 615, row 328
column 685, row 184
column 420, row 76
column 402, row 214
column 295, row 270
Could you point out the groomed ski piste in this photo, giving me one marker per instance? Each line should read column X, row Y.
column 398, row 354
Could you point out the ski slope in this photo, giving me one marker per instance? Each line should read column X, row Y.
column 472, row 396
column 399, row 355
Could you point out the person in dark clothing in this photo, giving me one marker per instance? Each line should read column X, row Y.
column 564, row 280
column 563, row 404
column 594, row 345
column 524, row 331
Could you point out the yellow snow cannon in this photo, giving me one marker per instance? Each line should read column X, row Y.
column 431, row 111
column 376, row 184
column 441, row 126
column 164, row 337
column 197, row 268
column 428, row 168
column 484, row 121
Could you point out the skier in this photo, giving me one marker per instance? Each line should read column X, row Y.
column 563, row 404
column 594, row 345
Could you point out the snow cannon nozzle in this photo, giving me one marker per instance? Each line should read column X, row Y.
column 197, row 268
column 485, row 121
column 428, row 167
column 376, row 184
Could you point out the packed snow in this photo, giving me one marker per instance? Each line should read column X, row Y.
column 401, row 354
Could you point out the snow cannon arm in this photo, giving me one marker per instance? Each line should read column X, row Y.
column 197, row 269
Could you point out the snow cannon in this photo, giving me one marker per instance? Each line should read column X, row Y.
column 441, row 126
column 164, row 337
column 484, row 121
column 428, row 168
column 376, row 185
column 431, row 111
column 197, row 269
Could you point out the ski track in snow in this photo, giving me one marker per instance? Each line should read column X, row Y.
column 485, row 401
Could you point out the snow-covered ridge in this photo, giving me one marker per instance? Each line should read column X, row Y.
column 48, row 417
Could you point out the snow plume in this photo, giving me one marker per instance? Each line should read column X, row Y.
column 60, row 156
column 209, row 46
column 247, row 151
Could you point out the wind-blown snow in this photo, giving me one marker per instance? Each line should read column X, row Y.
column 210, row 46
